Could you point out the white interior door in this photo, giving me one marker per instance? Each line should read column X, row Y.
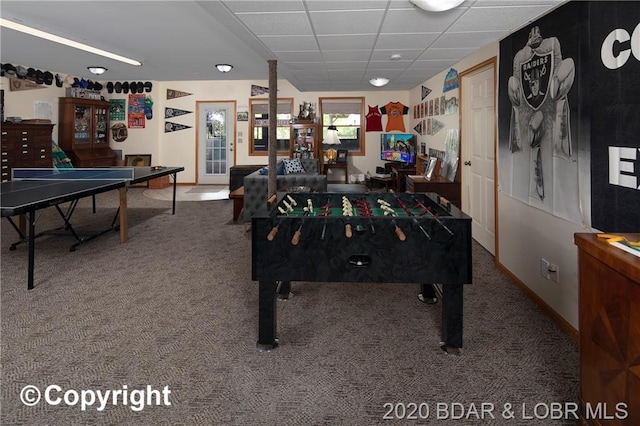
column 478, row 154
column 216, row 140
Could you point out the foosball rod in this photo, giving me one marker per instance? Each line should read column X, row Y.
column 437, row 219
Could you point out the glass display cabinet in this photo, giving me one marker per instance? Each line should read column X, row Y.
column 84, row 132
column 305, row 141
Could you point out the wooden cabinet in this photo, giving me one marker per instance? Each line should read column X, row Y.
column 609, row 321
column 25, row 145
column 305, row 143
column 83, row 132
column 441, row 186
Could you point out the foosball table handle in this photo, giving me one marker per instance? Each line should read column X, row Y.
column 296, row 237
column 272, row 233
column 400, row 234
column 347, row 230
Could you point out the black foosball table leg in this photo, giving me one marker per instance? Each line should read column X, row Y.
column 284, row 290
column 452, row 303
column 267, row 313
column 428, row 294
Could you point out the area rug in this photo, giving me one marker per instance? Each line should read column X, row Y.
column 190, row 193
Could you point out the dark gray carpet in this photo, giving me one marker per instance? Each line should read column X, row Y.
column 175, row 306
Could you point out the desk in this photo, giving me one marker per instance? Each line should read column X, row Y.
column 338, row 166
column 422, row 243
column 53, row 187
column 609, row 320
column 399, row 175
column 438, row 184
column 386, row 181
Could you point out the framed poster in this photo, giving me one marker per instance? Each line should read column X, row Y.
column 342, row 156
column 138, row 160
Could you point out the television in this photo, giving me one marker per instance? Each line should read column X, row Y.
column 398, row 147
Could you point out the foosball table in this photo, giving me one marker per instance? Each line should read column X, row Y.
column 372, row 237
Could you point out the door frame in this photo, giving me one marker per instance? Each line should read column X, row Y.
column 231, row 147
column 493, row 61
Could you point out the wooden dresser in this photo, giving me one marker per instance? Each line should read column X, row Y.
column 25, row 145
column 609, row 320
column 441, row 186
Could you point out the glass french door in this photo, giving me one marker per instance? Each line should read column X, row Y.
column 216, row 140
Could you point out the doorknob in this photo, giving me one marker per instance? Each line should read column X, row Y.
column 467, row 163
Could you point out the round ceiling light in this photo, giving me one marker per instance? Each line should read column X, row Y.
column 379, row 81
column 97, row 70
column 436, row 5
column 224, row 67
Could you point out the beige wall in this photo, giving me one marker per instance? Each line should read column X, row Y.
column 526, row 234
column 179, row 148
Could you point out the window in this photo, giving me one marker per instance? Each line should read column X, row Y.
column 259, row 126
column 346, row 114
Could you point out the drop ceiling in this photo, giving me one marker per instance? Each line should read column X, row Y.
column 319, row 45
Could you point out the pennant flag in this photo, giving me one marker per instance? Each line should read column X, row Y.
column 450, row 80
column 418, row 128
column 22, row 84
column 174, row 127
column 174, row 112
column 258, row 90
column 425, row 92
column 173, row 94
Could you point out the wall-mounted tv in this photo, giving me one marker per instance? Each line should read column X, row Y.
column 398, row 147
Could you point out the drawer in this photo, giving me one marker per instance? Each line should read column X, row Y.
column 45, row 162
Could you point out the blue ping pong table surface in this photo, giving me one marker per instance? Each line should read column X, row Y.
column 33, row 189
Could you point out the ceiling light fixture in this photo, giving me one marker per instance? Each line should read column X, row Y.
column 379, row 81
column 224, row 67
column 97, row 70
column 436, row 5
column 47, row 36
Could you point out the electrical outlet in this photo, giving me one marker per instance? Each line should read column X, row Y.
column 544, row 268
column 554, row 273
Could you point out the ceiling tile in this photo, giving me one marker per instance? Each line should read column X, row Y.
column 289, row 23
column 496, row 18
column 355, row 22
column 350, row 42
column 264, row 6
column 346, row 55
column 407, row 41
column 473, row 40
column 297, row 43
column 417, row 21
column 450, row 53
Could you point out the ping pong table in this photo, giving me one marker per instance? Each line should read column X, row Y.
column 33, row 189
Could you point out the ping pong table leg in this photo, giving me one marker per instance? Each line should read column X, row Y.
column 124, row 225
column 32, row 248
column 175, row 183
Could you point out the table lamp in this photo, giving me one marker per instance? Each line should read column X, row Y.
column 331, row 139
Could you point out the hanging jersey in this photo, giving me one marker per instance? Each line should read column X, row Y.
column 395, row 119
column 374, row 119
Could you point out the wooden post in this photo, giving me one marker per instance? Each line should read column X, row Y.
column 272, row 186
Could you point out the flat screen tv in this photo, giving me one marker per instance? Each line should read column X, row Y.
column 398, row 147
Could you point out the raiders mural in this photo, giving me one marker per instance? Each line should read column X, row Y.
column 569, row 114
column 538, row 98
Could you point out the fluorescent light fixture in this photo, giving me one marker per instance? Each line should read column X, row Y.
column 436, row 5
column 224, row 67
column 379, row 81
column 97, row 70
column 37, row 33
